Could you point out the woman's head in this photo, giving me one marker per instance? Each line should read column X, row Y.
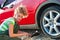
column 20, row 12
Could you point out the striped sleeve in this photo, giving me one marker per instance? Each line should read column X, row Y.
column 11, row 21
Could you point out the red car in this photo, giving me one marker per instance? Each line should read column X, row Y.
column 42, row 14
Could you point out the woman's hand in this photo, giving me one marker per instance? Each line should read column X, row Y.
column 26, row 34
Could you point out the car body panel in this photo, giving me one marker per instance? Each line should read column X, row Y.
column 33, row 6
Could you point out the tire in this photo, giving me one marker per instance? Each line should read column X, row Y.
column 49, row 21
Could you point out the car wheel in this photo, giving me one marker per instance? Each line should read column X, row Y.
column 50, row 21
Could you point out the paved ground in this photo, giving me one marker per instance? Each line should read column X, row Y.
column 42, row 38
column 34, row 38
column 39, row 37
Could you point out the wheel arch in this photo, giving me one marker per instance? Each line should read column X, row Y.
column 40, row 10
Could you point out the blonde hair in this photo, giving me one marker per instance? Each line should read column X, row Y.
column 22, row 10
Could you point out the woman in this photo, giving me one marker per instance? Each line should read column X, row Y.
column 8, row 26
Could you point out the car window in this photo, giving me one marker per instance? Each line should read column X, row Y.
column 8, row 2
column 2, row 3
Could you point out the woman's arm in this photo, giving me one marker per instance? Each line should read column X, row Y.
column 11, row 34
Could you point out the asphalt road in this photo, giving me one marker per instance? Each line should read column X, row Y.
column 42, row 38
column 38, row 37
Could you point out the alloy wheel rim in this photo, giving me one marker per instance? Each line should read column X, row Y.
column 51, row 23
